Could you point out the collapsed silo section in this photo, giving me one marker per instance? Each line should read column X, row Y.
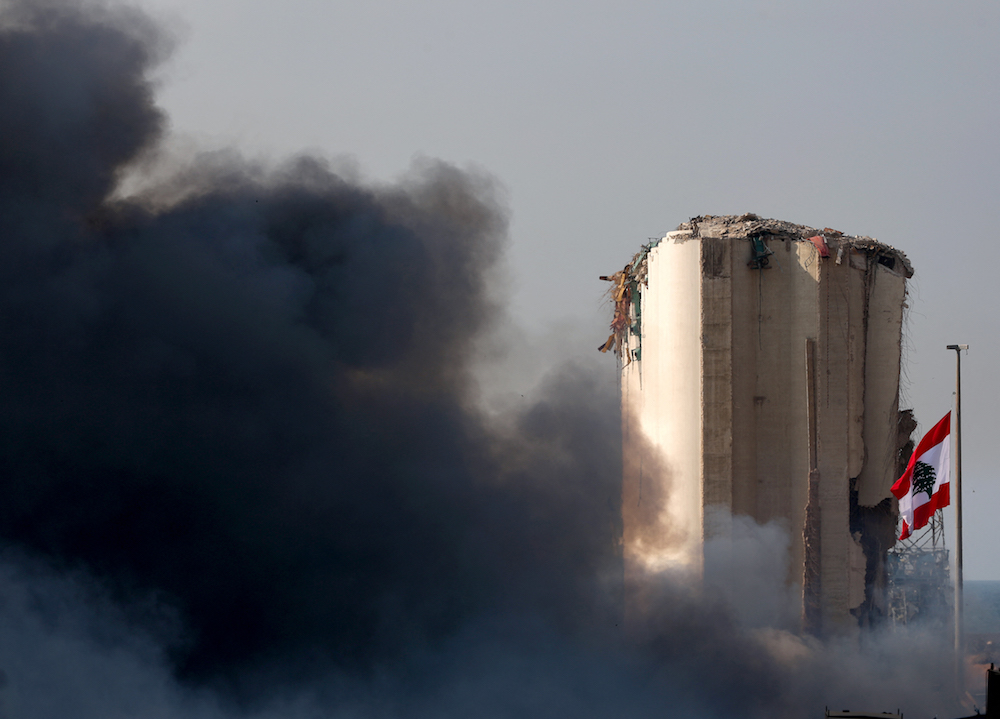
column 760, row 367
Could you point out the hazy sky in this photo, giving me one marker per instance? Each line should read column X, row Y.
column 609, row 123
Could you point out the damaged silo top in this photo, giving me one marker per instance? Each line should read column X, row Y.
column 758, row 233
column 837, row 244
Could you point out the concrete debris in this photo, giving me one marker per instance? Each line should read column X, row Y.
column 751, row 225
column 820, row 242
column 755, row 230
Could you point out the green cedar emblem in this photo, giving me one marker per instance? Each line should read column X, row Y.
column 924, row 478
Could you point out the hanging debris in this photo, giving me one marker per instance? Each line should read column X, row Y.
column 819, row 241
column 621, row 295
column 760, row 253
column 627, row 319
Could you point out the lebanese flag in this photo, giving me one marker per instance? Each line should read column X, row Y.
column 923, row 488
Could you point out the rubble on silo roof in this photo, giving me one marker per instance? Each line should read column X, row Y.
column 751, row 227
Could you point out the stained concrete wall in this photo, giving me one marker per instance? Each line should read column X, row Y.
column 662, row 490
column 716, row 400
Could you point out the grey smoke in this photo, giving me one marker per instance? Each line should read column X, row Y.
column 243, row 466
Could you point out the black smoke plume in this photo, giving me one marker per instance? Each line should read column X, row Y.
column 238, row 417
column 256, row 402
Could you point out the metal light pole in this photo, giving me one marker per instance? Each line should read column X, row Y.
column 959, row 624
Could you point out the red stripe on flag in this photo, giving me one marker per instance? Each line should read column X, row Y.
column 922, row 514
column 937, row 433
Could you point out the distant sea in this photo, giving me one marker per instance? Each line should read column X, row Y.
column 982, row 607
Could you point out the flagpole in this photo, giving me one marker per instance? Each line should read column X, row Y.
column 959, row 623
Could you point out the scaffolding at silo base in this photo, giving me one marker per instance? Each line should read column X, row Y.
column 920, row 579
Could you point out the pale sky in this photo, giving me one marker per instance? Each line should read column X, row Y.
column 610, row 123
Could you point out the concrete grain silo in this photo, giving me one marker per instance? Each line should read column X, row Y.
column 760, row 377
